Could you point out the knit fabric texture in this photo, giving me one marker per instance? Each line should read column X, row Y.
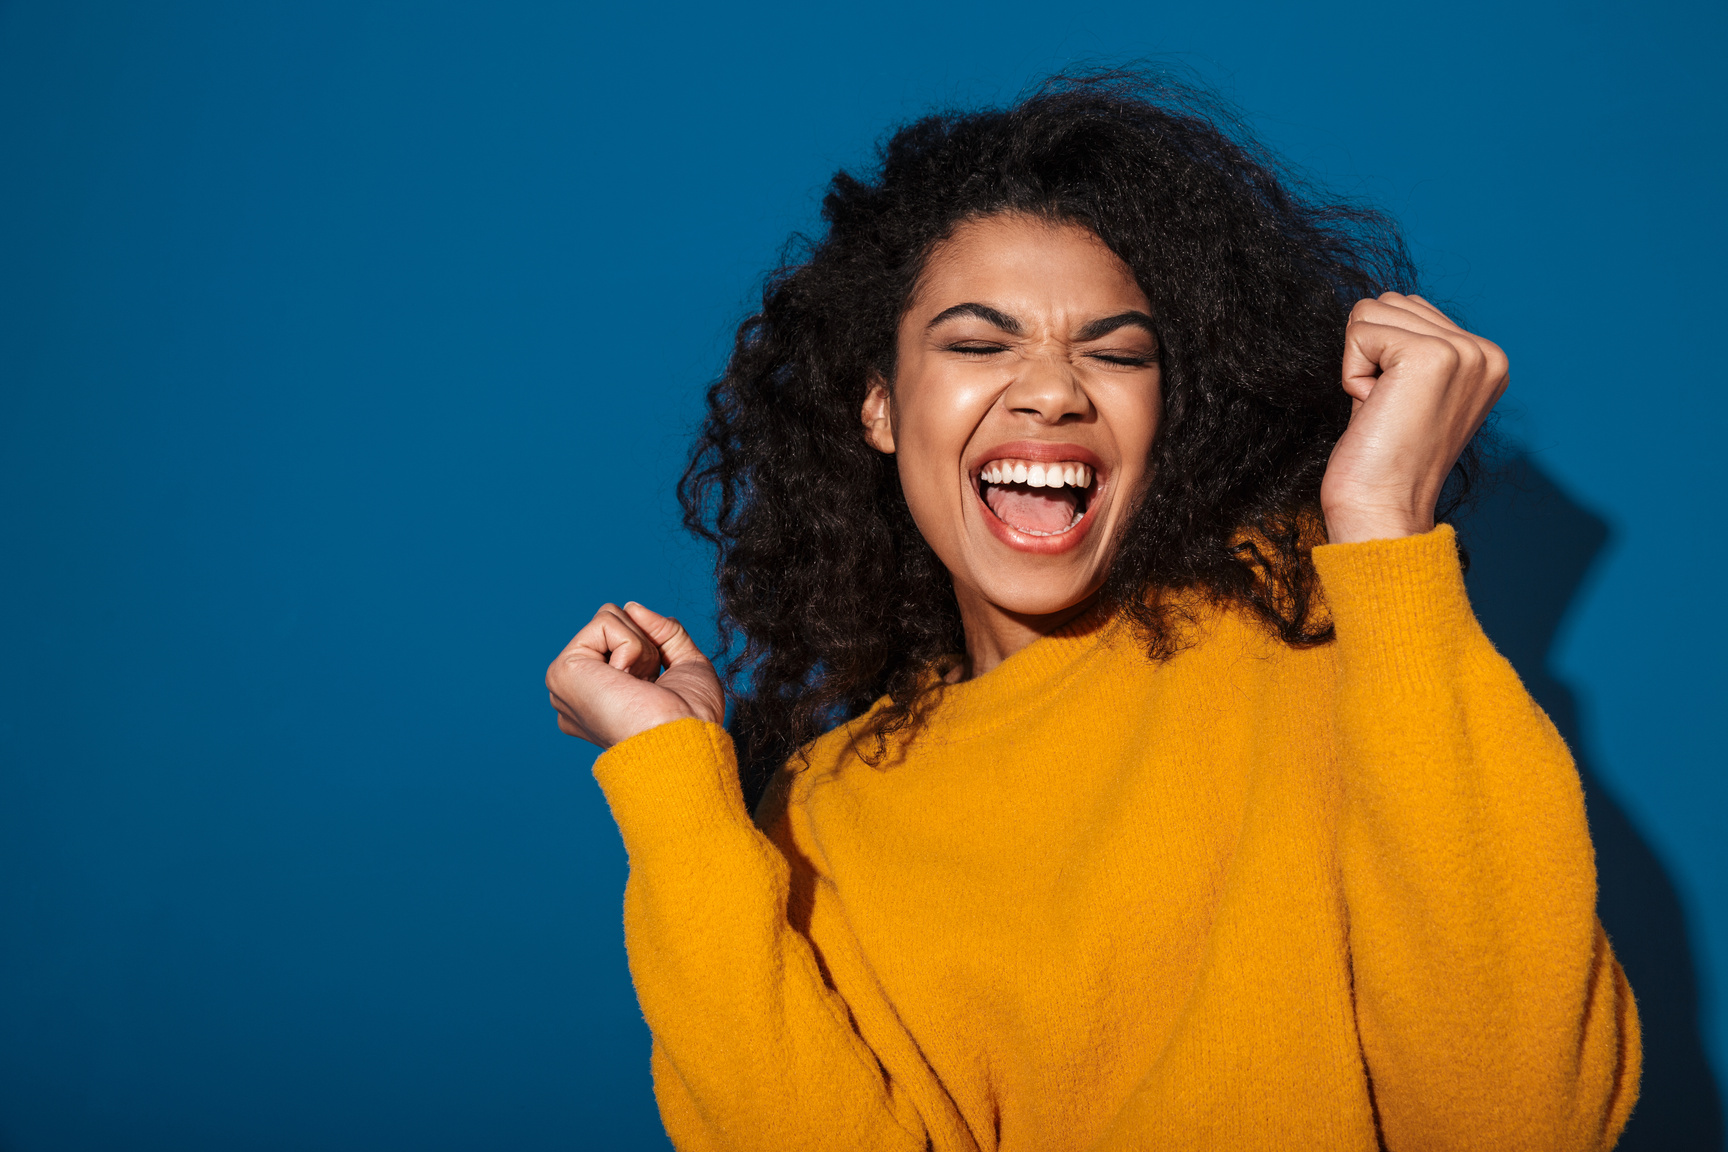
column 1249, row 897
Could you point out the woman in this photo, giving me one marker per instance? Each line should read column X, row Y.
column 1171, row 796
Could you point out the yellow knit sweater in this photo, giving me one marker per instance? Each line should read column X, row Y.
column 1252, row 897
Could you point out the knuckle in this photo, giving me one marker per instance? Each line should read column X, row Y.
column 1443, row 353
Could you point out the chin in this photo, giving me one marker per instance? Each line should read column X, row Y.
column 1033, row 598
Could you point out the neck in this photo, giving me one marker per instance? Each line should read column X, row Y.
column 993, row 633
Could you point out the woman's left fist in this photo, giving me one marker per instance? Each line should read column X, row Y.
column 1420, row 387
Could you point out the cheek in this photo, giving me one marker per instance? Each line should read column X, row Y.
column 931, row 442
column 926, row 477
column 937, row 416
column 1137, row 417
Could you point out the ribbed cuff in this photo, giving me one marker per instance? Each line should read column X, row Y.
column 1399, row 606
column 672, row 782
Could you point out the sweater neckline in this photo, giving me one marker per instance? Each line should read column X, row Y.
column 1024, row 679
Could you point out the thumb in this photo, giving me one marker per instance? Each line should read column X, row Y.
column 675, row 644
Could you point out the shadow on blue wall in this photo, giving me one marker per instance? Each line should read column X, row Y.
column 1531, row 547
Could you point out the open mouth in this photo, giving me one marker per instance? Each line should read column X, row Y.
column 1037, row 498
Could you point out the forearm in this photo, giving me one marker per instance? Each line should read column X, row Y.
column 1491, row 1009
column 752, row 1048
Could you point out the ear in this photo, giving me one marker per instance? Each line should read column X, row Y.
column 878, row 417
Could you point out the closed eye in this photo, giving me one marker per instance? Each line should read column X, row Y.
column 974, row 348
column 1127, row 361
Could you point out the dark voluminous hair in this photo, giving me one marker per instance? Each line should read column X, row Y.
column 822, row 574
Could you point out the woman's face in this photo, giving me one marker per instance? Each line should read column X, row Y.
column 1024, row 403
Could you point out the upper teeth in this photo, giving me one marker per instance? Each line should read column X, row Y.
column 1037, row 475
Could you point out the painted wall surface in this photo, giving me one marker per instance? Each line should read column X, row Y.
column 348, row 352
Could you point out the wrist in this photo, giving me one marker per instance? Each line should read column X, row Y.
column 1353, row 524
column 637, row 723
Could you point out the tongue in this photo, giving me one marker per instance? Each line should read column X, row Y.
column 1032, row 510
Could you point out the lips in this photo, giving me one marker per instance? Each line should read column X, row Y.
column 1038, row 497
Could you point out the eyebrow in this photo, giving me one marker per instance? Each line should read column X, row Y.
column 983, row 311
column 1101, row 328
column 1096, row 330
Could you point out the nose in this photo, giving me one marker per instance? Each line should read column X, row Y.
column 1047, row 390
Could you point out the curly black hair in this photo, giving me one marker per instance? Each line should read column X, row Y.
column 1251, row 275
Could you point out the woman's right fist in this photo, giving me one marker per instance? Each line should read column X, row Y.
column 607, row 684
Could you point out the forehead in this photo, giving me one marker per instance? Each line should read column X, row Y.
column 1026, row 264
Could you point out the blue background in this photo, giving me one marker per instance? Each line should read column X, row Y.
column 348, row 353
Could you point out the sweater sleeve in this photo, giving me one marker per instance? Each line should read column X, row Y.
column 752, row 1047
column 1491, row 1010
